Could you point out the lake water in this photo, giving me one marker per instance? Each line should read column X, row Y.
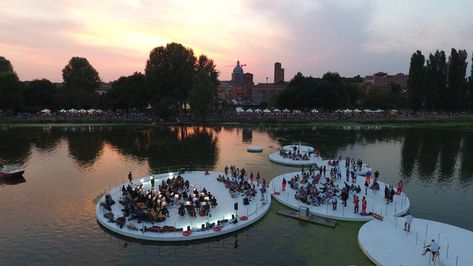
column 49, row 217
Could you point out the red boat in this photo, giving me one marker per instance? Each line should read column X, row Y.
column 6, row 172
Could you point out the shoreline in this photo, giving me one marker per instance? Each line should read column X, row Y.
column 429, row 122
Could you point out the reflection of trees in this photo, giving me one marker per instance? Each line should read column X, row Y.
column 428, row 153
column 449, row 147
column 85, row 144
column 46, row 138
column 410, row 149
column 15, row 144
column 164, row 147
column 466, row 168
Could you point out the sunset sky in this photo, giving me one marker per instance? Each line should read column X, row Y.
column 311, row 36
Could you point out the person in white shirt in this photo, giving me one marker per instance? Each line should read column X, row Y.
column 434, row 248
column 408, row 222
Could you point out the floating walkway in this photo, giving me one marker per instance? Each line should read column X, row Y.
column 243, row 217
column 375, row 202
column 386, row 243
column 310, row 218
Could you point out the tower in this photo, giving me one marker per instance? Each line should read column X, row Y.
column 278, row 73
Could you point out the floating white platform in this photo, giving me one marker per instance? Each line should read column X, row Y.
column 254, row 149
column 254, row 211
column 300, row 148
column 386, row 242
column 277, row 158
column 376, row 202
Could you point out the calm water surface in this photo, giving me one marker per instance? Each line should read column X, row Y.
column 49, row 217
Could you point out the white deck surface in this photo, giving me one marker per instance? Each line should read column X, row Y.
column 254, row 211
column 301, row 148
column 277, row 158
column 386, row 242
column 376, row 202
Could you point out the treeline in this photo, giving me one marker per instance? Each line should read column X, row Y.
column 174, row 79
column 438, row 83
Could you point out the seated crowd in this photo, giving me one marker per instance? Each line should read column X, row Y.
column 238, row 182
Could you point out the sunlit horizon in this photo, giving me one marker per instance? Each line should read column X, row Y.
column 312, row 37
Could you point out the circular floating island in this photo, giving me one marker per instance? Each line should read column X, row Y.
column 375, row 201
column 300, row 148
column 254, row 149
column 208, row 211
column 386, row 243
column 296, row 155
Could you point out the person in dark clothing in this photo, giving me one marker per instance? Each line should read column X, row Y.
column 130, row 177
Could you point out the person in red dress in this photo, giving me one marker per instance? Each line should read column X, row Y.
column 356, row 203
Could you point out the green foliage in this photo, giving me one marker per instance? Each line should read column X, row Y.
column 416, row 82
column 128, row 92
column 456, row 81
column 5, row 65
column 202, row 95
column 11, row 97
column 436, row 80
column 79, row 74
column 169, row 72
column 38, row 94
column 330, row 92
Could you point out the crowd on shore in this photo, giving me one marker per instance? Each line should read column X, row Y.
column 233, row 116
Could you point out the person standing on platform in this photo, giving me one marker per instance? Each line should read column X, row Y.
column 364, row 204
column 130, row 177
column 284, row 182
column 408, row 222
column 356, row 203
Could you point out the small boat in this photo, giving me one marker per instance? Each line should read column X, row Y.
column 7, row 172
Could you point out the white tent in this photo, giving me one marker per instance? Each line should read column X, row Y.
column 276, row 110
column 378, row 111
column 258, row 110
column 315, row 111
column 296, row 111
column 286, row 111
column 266, row 111
column 347, row 111
column 45, row 111
column 249, row 110
column 239, row 110
column 367, row 111
column 91, row 111
column 82, row 111
column 72, row 110
column 357, row 111
column 99, row 111
column 338, row 111
column 62, row 111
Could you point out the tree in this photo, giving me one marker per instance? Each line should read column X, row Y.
column 436, row 80
column 470, row 87
column 39, row 94
column 128, row 92
column 456, row 82
column 416, row 81
column 10, row 87
column 79, row 74
column 202, row 95
column 169, row 73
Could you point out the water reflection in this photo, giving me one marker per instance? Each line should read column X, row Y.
column 440, row 154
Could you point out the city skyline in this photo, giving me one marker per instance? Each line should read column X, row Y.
column 312, row 37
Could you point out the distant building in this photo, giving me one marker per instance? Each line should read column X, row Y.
column 263, row 92
column 278, row 73
column 104, row 88
column 239, row 88
column 382, row 80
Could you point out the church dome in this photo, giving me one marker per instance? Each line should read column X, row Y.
column 237, row 74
